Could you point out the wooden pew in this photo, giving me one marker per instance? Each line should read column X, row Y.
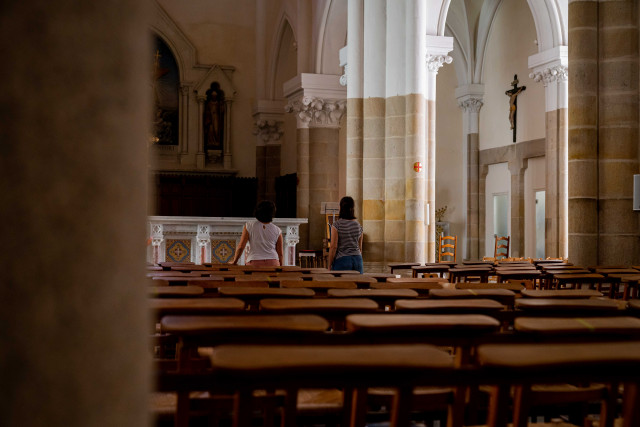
column 503, row 296
column 522, row 365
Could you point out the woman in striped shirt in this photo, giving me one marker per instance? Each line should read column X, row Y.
column 345, row 252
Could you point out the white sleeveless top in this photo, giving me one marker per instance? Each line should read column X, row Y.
column 262, row 240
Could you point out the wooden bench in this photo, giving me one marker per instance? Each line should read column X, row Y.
column 402, row 266
column 332, row 309
column 602, row 327
column 630, row 283
column 385, row 297
column 320, row 286
column 175, row 291
column 563, row 307
column 190, row 306
column 522, row 365
column 463, row 273
column 402, row 367
column 472, row 306
column 252, row 295
column 561, row 293
column 421, row 285
column 503, row 296
column 576, row 280
column 511, row 286
column 440, row 269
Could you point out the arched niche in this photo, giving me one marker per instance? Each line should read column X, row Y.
column 216, row 80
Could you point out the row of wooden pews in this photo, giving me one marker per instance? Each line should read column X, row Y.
column 543, row 274
column 351, row 351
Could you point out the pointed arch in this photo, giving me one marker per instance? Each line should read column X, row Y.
column 183, row 50
column 485, row 23
column 283, row 23
column 332, row 35
column 551, row 21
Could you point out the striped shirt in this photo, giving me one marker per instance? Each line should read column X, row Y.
column 349, row 232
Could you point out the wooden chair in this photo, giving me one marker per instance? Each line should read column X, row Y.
column 501, row 249
column 448, row 247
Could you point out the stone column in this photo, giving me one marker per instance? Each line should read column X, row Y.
column 268, row 122
column 550, row 68
column 373, row 145
column 436, row 50
column 517, row 169
column 395, row 134
column 470, row 100
column 74, row 199
column 185, row 90
column 619, row 241
column 200, row 155
column 226, row 147
column 603, row 132
column 354, row 70
column 318, row 121
column 483, row 171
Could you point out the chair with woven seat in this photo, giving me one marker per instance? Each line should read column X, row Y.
column 447, row 249
column 501, row 247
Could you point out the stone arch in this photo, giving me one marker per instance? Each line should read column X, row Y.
column 283, row 24
column 551, row 21
column 332, row 35
column 184, row 52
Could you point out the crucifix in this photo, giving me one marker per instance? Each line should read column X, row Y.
column 513, row 102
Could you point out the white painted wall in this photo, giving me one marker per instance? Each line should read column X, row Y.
column 450, row 162
column 534, row 180
column 498, row 181
column 511, row 42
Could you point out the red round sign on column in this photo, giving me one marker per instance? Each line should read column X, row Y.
column 417, row 166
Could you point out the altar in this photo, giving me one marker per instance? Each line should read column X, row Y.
column 209, row 239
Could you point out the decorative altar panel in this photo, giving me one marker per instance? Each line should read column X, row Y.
column 209, row 239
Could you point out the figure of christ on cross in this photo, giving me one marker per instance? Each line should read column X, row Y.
column 513, row 102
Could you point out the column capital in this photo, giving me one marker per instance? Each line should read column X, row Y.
column 549, row 65
column 268, row 131
column 470, row 104
column 317, row 112
column 551, row 74
column 435, row 62
column 437, row 52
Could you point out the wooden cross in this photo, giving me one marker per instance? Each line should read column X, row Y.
column 513, row 103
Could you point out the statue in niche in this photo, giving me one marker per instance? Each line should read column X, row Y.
column 213, row 120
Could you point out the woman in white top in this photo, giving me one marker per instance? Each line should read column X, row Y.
column 264, row 238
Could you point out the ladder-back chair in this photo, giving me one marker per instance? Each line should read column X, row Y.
column 448, row 248
column 501, row 247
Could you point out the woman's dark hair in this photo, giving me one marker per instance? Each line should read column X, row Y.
column 347, row 208
column 265, row 211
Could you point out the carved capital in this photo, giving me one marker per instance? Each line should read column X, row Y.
column 471, row 105
column 317, row 112
column 557, row 73
column 434, row 62
column 268, row 130
column 343, row 77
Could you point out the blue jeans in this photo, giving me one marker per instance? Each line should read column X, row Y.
column 349, row 262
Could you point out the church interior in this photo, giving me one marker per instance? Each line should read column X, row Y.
column 166, row 122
